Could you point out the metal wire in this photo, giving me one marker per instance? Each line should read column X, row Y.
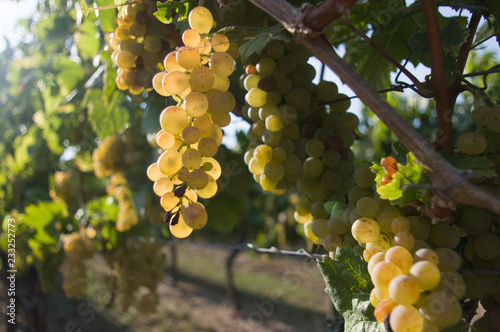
column 241, row 247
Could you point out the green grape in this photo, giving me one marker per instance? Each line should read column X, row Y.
column 222, row 120
column 221, row 64
column 266, row 111
column 170, row 62
column 471, row 144
column 203, row 123
column 162, row 186
column 318, row 210
column 188, row 58
column 336, row 224
column 449, row 260
column 382, row 274
column 400, row 224
column 195, row 215
column 374, row 260
column 125, row 59
column 255, row 167
column 191, row 135
column 274, row 171
column 404, row 239
column 331, row 179
column 200, row 19
column 154, row 173
column 183, row 175
column 480, row 114
column 283, row 85
column 367, row 207
column 426, row 254
column 404, row 290
column 356, row 193
column 444, row 236
column 331, row 158
column 191, row 159
column 267, row 184
column 442, row 311
column 315, row 148
column 319, row 228
column 406, row 319
column 170, row 162
column 287, row 63
column 331, row 242
column 275, row 49
column 256, row 97
column 218, row 102
column 169, row 201
column 208, row 147
column 401, row 257
column 363, row 176
column 210, row 190
column 191, row 38
column 292, row 164
column 221, row 83
column 196, row 104
column 365, row 230
column 279, row 155
column 220, row 43
column 349, row 121
column 419, row 227
column 173, row 119
column 426, row 273
column 476, row 221
column 313, row 167
column 274, row 123
column 487, row 246
column 381, row 243
column 152, row 44
column 180, row 230
column 175, row 82
column 298, row 98
column 251, row 81
column 493, row 120
column 451, row 283
column 265, row 66
column 263, row 153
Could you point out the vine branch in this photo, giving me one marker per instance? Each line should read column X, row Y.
column 403, row 69
column 438, row 77
column 441, row 172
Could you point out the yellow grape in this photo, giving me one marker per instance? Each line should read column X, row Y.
column 188, row 58
column 201, row 79
column 165, row 140
column 158, row 84
column 196, row 104
column 210, row 190
column 180, row 230
column 175, row 82
column 200, row 19
column 170, row 162
column 382, row 274
column 191, row 38
column 170, row 63
column 365, row 230
column 401, row 257
column 204, row 46
column 169, row 201
column 208, row 147
column 221, row 64
column 406, row 319
column 220, row 43
column 404, row 290
column 162, row 186
column 191, row 158
column 203, row 123
column 198, row 179
column 154, row 173
column 195, row 215
column 173, row 119
column 212, row 167
column 427, row 274
column 190, row 135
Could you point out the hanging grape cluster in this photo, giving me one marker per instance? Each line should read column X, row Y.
column 139, row 43
column 111, row 158
column 78, row 248
column 129, row 261
column 196, row 77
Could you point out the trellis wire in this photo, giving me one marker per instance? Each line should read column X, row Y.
column 241, row 247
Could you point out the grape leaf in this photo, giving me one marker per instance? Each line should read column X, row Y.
column 494, row 7
column 107, row 16
column 261, row 39
column 172, row 11
column 107, row 116
column 473, row 6
column 84, row 7
column 88, row 44
column 348, row 285
column 395, row 188
column 39, row 217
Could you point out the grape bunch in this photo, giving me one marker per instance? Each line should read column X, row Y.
column 196, row 77
column 77, row 249
column 112, row 158
column 139, row 43
column 129, row 260
column 291, row 143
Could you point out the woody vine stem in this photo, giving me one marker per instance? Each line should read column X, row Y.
column 296, row 20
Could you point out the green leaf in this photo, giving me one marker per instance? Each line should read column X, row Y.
column 494, row 7
column 462, row 162
column 471, row 5
column 107, row 16
column 348, row 285
column 165, row 10
column 397, row 190
column 261, row 39
column 39, row 217
column 70, row 74
column 108, row 117
column 88, row 43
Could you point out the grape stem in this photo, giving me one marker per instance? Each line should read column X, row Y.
column 440, row 171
